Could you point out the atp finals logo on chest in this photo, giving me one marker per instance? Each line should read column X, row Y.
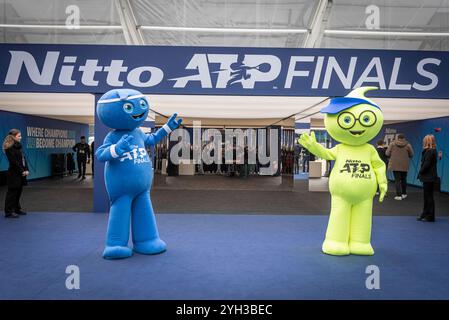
column 357, row 169
column 137, row 155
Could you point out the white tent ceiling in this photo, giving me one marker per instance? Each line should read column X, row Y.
column 399, row 24
column 80, row 107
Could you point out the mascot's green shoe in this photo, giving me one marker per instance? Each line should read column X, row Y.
column 335, row 248
column 363, row 249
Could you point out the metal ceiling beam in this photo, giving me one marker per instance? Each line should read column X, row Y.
column 132, row 34
column 315, row 34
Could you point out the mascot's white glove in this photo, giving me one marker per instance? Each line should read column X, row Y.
column 172, row 123
column 125, row 144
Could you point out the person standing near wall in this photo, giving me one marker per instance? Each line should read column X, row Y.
column 82, row 150
column 429, row 176
column 305, row 160
column 381, row 151
column 17, row 173
column 400, row 152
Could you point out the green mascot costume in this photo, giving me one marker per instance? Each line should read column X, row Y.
column 352, row 120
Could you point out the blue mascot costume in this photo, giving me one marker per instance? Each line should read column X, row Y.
column 129, row 173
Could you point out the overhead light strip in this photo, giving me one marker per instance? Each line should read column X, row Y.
column 369, row 33
column 366, row 33
column 222, row 30
column 62, row 27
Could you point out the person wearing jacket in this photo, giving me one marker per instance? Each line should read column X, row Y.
column 400, row 152
column 82, row 150
column 381, row 151
column 428, row 175
column 17, row 173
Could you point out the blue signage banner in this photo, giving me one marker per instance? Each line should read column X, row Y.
column 40, row 138
column 222, row 71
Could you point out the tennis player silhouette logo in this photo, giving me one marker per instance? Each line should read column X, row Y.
column 241, row 72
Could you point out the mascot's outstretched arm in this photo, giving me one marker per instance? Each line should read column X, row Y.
column 380, row 172
column 309, row 142
column 172, row 124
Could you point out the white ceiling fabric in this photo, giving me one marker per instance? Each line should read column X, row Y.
column 226, row 22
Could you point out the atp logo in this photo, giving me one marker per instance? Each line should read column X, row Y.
column 229, row 70
column 357, row 169
column 138, row 155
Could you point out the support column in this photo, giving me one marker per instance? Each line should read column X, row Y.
column 101, row 199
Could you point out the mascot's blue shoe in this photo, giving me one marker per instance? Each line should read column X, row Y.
column 117, row 252
column 154, row 246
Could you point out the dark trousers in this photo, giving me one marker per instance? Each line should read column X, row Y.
column 81, row 167
column 400, row 180
column 305, row 164
column 429, row 202
column 12, row 200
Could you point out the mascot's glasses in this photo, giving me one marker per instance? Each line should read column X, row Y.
column 347, row 120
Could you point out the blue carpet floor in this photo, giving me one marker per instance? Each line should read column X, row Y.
column 221, row 257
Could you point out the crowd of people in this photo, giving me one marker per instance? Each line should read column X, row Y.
column 238, row 168
column 396, row 157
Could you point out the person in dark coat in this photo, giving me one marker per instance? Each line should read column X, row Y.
column 82, row 150
column 381, row 150
column 17, row 173
column 428, row 175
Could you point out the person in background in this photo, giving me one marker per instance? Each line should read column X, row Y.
column 428, row 175
column 298, row 150
column 82, row 150
column 381, row 150
column 17, row 173
column 305, row 160
column 400, row 152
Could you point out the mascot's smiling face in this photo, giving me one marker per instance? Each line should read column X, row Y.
column 356, row 125
column 354, row 119
column 123, row 109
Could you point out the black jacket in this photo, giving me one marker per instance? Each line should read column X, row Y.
column 17, row 165
column 82, row 151
column 381, row 151
column 428, row 170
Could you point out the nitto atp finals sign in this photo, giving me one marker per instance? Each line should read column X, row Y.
column 222, row 71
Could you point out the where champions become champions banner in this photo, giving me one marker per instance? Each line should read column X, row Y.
column 222, row 71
